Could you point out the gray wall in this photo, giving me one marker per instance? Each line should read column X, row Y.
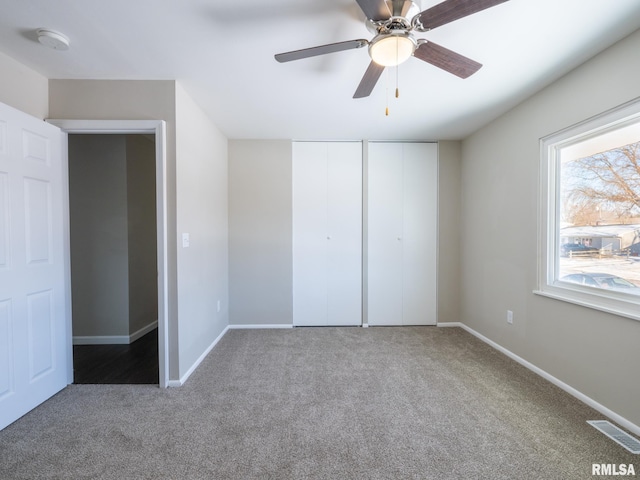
column 113, row 234
column 23, row 88
column 594, row 352
column 142, row 231
column 99, row 235
column 202, row 211
column 260, row 232
column 449, row 204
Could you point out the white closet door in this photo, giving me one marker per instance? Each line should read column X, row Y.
column 344, row 232
column 327, row 233
column 420, row 234
column 385, row 234
column 310, row 274
column 402, row 233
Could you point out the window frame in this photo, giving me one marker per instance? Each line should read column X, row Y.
column 614, row 302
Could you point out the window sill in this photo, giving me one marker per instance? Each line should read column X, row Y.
column 604, row 303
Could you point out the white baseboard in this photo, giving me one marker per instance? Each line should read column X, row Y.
column 185, row 377
column 450, row 324
column 114, row 339
column 102, row 340
column 258, row 326
column 632, row 427
column 143, row 331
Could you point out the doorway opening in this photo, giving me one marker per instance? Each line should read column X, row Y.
column 127, row 324
column 113, row 231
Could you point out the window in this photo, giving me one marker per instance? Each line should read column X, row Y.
column 590, row 213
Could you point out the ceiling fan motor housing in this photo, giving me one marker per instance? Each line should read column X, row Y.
column 393, row 43
column 402, row 13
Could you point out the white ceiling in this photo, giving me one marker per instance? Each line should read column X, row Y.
column 222, row 53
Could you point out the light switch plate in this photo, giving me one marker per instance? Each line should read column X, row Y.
column 185, row 240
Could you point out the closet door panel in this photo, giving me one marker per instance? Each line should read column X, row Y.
column 327, row 233
column 344, row 233
column 420, row 233
column 309, row 234
column 385, row 234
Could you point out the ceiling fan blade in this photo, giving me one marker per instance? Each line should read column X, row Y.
column 369, row 80
column 375, row 9
column 446, row 59
column 451, row 10
column 320, row 50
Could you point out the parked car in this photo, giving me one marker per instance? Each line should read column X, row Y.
column 603, row 280
column 567, row 248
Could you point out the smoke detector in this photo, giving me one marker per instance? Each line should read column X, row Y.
column 52, row 39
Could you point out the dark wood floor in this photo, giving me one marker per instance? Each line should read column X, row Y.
column 136, row 363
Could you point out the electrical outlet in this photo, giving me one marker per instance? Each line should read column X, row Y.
column 509, row 317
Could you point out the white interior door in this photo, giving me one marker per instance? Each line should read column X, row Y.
column 33, row 312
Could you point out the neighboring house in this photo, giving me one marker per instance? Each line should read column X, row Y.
column 608, row 237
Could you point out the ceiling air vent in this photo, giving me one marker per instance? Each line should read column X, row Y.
column 617, row 435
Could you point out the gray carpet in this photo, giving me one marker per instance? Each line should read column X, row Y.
column 320, row 403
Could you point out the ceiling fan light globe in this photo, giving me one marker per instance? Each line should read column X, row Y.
column 391, row 49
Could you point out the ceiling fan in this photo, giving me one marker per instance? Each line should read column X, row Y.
column 393, row 22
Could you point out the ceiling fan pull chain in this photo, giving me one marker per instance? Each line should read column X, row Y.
column 397, row 69
column 386, row 111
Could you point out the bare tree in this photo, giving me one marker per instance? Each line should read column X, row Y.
column 605, row 181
